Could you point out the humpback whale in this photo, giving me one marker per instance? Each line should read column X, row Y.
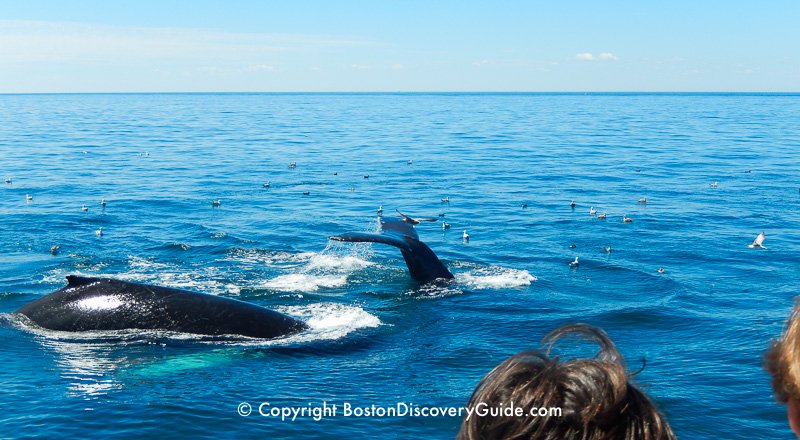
column 423, row 265
column 108, row 304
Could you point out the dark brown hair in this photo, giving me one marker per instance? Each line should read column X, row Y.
column 782, row 360
column 596, row 397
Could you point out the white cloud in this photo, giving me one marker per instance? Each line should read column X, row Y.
column 607, row 56
column 602, row 56
column 42, row 41
column 483, row 62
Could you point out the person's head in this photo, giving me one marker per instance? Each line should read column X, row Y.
column 782, row 362
column 596, row 396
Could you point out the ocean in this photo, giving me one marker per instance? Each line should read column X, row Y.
column 377, row 337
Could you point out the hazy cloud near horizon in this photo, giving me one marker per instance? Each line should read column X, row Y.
column 286, row 47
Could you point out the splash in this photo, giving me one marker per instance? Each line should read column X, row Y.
column 295, row 282
column 495, row 277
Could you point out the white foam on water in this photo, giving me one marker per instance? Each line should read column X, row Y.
column 329, row 320
column 295, row 282
column 327, row 262
column 495, row 277
column 329, row 268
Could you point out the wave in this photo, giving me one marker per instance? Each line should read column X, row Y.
column 295, row 282
column 495, row 277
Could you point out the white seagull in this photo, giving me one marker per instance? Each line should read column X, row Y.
column 626, row 219
column 103, row 201
column 602, row 216
column 574, row 263
column 445, row 225
column 642, row 200
column 99, row 232
column 757, row 243
column 84, row 208
column 28, row 198
column 714, row 185
column 446, row 199
column 215, row 203
column 465, row 235
column 592, row 211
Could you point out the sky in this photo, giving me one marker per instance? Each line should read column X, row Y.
column 393, row 45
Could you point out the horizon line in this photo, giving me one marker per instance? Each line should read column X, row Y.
column 422, row 92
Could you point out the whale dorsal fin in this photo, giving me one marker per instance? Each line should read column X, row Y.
column 75, row 280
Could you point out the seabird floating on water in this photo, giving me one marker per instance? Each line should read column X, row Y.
column 216, row 203
column 592, row 211
column 293, row 165
column 84, row 208
column 572, row 203
column 626, row 219
column 607, row 249
column 28, row 198
column 757, row 243
column 445, row 225
column 99, row 232
column 574, row 263
column 524, row 205
column 714, row 185
column 380, row 211
column 103, row 201
column 8, row 180
column 306, row 193
column 446, row 199
column 465, row 236
column 266, row 185
column 409, row 162
column 642, row 200
column 573, row 246
column 602, row 216
column 54, row 249
column 660, row 270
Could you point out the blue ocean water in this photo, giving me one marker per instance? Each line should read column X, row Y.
column 377, row 337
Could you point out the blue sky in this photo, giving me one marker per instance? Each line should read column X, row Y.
column 409, row 45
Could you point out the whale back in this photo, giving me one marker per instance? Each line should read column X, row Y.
column 87, row 304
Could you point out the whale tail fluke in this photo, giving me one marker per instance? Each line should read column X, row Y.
column 423, row 265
